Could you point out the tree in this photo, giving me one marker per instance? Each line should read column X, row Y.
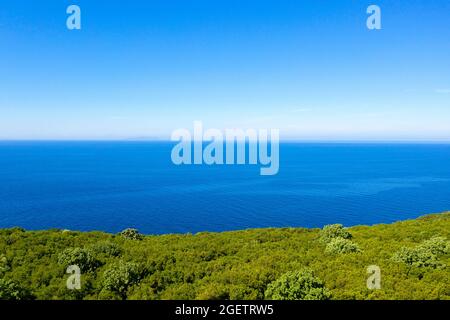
column 119, row 277
column 436, row 245
column 83, row 258
column 332, row 231
column 298, row 285
column 424, row 255
column 131, row 234
column 341, row 245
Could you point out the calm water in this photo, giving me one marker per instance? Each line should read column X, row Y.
column 113, row 185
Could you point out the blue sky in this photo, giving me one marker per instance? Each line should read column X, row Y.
column 140, row 69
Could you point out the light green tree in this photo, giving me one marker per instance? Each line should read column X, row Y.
column 119, row 277
column 298, row 285
column 3, row 265
column 332, row 231
column 83, row 258
column 341, row 245
column 424, row 255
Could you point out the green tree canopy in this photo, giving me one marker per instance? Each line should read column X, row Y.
column 298, row 285
column 131, row 234
column 119, row 277
column 424, row 255
column 341, row 245
column 333, row 231
column 83, row 258
column 9, row 290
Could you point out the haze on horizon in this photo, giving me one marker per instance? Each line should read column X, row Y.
column 139, row 70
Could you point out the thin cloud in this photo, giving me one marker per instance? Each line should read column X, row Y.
column 299, row 110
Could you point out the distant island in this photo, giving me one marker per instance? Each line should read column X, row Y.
column 404, row 260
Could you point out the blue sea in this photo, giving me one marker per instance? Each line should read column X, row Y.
column 110, row 186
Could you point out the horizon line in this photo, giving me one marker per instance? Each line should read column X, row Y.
column 286, row 140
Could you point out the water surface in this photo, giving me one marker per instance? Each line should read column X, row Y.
column 110, row 186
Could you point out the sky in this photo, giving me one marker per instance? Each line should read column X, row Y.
column 141, row 69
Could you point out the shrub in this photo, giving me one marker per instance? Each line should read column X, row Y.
column 341, row 245
column 119, row 277
column 333, row 231
column 131, row 234
column 80, row 257
column 298, row 285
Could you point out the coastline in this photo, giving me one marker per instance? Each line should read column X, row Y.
column 235, row 265
column 423, row 216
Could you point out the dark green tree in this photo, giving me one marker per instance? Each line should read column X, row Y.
column 131, row 234
column 9, row 290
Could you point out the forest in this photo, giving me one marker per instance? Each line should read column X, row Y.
column 275, row 263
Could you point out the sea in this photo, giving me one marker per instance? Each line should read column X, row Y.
column 110, row 186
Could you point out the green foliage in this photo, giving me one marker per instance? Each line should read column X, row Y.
column 83, row 258
column 119, row 277
column 9, row 290
column 3, row 265
column 333, row 231
column 436, row 245
column 227, row 265
column 107, row 248
column 131, row 234
column 341, row 246
column 424, row 255
column 298, row 285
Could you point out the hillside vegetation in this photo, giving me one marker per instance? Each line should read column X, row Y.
column 278, row 263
